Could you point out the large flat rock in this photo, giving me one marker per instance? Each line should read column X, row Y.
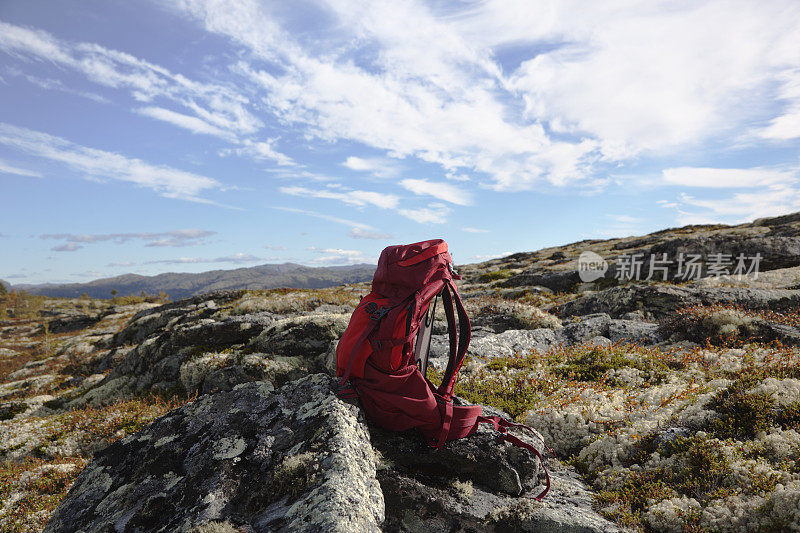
column 298, row 459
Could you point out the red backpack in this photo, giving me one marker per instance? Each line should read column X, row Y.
column 382, row 355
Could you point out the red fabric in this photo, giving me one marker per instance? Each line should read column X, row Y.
column 350, row 339
column 422, row 256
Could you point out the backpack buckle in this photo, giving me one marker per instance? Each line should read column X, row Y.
column 376, row 313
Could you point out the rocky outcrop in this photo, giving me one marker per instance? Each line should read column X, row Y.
column 73, row 322
column 778, row 251
column 659, row 301
column 155, row 319
column 478, row 484
column 155, row 365
column 559, row 281
column 294, row 460
column 303, row 336
column 301, row 459
column 513, row 341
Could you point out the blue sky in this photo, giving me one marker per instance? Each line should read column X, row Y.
column 193, row 135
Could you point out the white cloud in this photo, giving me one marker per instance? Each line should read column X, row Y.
column 486, row 257
column 631, row 76
column 726, row 177
column 358, row 198
column 441, row 191
column 338, row 256
column 377, row 166
column 784, row 127
column 430, row 94
column 5, row 168
column 787, row 125
column 608, row 80
column 175, row 238
column 67, row 247
column 475, row 230
column 235, row 258
column 260, row 150
column 51, row 84
column 359, row 233
column 435, row 213
column 772, row 200
column 358, row 163
column 216, row 109
column 329, row 218
column 166, row 181
column 187, row 122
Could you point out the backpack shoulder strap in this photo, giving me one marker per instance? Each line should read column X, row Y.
column 459, row 339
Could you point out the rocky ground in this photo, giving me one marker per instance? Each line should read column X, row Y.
column 670, row 405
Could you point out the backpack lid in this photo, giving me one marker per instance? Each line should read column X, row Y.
column 403, row 269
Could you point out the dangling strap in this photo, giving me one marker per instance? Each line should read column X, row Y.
column 446, row 421
column 457, row 350
column 501, row 425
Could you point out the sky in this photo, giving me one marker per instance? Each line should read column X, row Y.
column 191, row 135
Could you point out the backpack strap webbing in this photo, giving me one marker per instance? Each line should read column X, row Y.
column 459, row 342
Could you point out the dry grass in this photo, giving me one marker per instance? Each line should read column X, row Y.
column 31, row 490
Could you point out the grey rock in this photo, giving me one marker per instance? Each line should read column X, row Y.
column 633, row 315
column 481, row 459
column 660, row 301
column 559, row 280
column 784, row 333
column 304, row 336
column 423, row 493
column 566, row 509
column 153, row 320
column 633, row 331
column 513, row 341
column 599, row 341
column 155, row 364
column 586, row 327
column 777, row 221
column 777, row 251
column 72, row 322
column 298, row 459
column 670, row 434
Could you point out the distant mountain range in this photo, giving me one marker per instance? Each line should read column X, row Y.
column 180, row 285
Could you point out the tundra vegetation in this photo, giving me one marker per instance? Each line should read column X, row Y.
column 676, row 402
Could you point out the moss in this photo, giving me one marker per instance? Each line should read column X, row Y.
column 488, row 277
column 463, row 489
column 626, row 504
column 593, row 363
column 722, row 325
column 294, row 475
column 788, row 417
column 11, row 409
column 513, row 394
column 702, row 471
column 741, row 412
column 91, row 425
column 47, row 483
